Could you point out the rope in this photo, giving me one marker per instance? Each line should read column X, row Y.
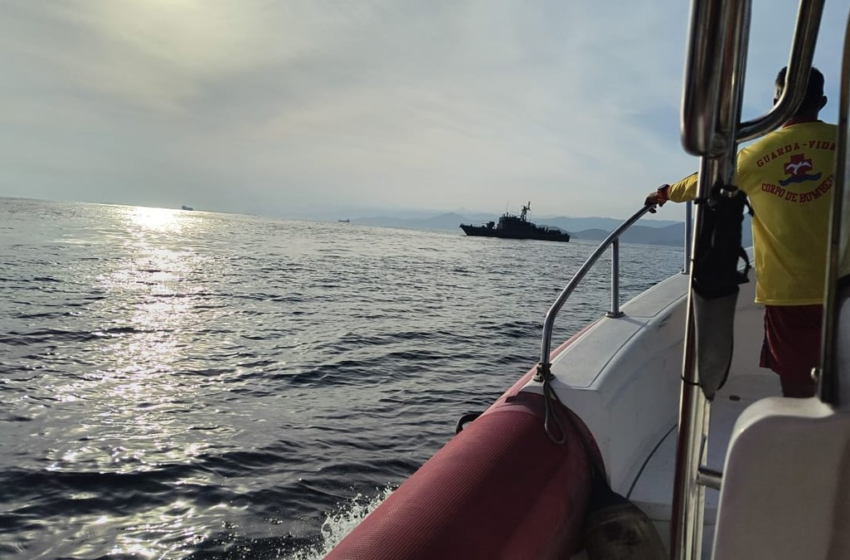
column 549, row 395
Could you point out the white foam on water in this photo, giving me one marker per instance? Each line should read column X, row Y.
column 339, row 523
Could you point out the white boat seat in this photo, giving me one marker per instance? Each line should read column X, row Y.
column 786, row 493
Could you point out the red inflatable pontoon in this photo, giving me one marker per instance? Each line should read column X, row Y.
column 499, row 489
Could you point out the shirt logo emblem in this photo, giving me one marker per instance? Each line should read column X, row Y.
column 797, row 169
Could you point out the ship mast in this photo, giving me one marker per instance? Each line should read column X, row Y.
column 525, row 210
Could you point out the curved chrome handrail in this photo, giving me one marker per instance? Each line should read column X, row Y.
column 799, row 66
column 701, row 89
column 612, row 239
column 703, row 76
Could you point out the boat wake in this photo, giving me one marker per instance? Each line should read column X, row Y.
column 339, row 523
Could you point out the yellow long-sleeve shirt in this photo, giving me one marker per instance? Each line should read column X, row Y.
column 787, row 176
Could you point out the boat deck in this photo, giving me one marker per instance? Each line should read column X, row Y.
column 653, row 490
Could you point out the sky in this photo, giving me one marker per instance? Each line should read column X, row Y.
column 346, row 108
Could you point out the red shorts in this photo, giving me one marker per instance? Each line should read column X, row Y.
column 791, row 344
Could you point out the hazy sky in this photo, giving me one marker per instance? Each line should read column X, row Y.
column 290, row 106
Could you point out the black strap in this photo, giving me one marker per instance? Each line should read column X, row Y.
column 718, row 243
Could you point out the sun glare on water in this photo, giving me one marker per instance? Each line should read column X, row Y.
column 156, row 219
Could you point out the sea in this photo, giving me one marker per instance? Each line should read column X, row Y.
column 194, row 385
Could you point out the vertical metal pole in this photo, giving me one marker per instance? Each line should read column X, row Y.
column 689, row 227
column 685, row 494
column 699, row 514
column 615, row 280
column 831, row 390
column 692, row 451
column 717, row 166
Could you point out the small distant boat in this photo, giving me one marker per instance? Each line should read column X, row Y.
column 516, row 227
column 346, row 221
column 189, row 208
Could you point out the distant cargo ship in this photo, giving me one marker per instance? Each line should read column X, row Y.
column 186, row 208
column 516, row 227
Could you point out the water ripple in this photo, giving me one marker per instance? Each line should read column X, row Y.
column 188, row 385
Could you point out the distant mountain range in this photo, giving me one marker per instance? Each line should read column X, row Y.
column 451, row 221
column 673, row 235
column 649, row 232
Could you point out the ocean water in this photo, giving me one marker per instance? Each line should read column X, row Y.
column 207, row 386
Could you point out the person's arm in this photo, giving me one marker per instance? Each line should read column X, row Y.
column 684, row 190
column 681, row 191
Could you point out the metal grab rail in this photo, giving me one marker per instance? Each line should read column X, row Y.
column 704, row 75
column 799, row 66
column 831, row 389
column 717, row 57
column 612, row 239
